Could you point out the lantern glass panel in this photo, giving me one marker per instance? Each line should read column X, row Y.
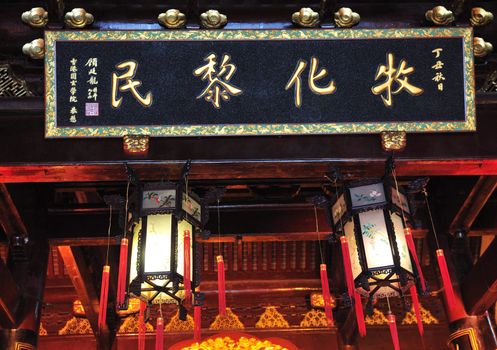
column 375, row 239
column 183, row 226
column 155, row 199
column 367, row 195
column 158, row 243
column 134, row 252
column 353, row 250
column 405, row 258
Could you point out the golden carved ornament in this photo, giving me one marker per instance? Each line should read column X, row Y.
column 393, row 140
column 480, row 17
column 481, row 48
column 24, row 346
column 230, row 321
column 346, row 18
column 76, row 325
column 314, row 319
column 37, row 17
column 42, row 332
column 133, row 308
column 306, row 18
column 78, row 309
column 78, row 18
column 130, row 325
column 135, row 144
column 172, row 19
column 176, row 325
column 228, row 343
column 426, row 317
column 35, row 49
column 439, row 15
column 317, row 300
column 213, row 19
column 377, row 319
column 271, row 318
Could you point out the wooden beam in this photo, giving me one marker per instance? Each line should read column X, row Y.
column 10, row 219
column 10, row 298
column 474, row 203
column 81, row 278
column 479, row 288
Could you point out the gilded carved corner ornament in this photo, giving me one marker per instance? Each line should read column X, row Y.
column 35, row 49
column 172, row 19
column 393, row 140
column 480, row 17
column 78, row 18
column 306, row 18
column 481, row 48
column 37, row 17
column 136, row 144
column 213, row 19
column 440, row 16
column 346, row 18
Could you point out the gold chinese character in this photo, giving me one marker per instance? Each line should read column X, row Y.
column 92, row 71
column 92, row 62
column 92, row 81
column 73, row 61
column 72, row 90
column 438, row 65
column 131, row 85
column 73, row 110
column 93, row 93
column 74, row 76
column 73, row 82
column 441, row 86
column 438, row 77
column 312, row 78
column 73, row 69
column 72, row 119
column 399, row 76
column 437, row 52
column 219, row 86
column 73, row 99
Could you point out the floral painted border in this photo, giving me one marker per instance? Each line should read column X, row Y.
column 52, row 130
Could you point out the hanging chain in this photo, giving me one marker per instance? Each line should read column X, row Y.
column 431, row 217
column 108, row 235
column 126, row 211
column 317, row 231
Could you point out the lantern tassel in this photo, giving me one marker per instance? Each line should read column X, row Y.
column 444, row 271
column 104, row 294
column 393, row 331
column 347, row 266
column 187, row 277
column 417, row 310
column 197, row 323
column 123, row 266
column 326, row 295
column 141, row 325
column 159, row 334
column 412, row 249
column 361, row 325
column 221, row 286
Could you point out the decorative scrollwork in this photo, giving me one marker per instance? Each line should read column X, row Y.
column 481, row 48
column 76, row 325
column 78, row 18
column 480, row 17
column 37, row 17
column 230, row 321
column 213, row 19
column 176, row 325
column 346, row 18
column 440, row 16
column 10, row 85
column 172, row 19
column 314, row 319
column 377, row 319
column 393, row 140
column 306, row 18
column 271, row 318
column 35, row 49
column 134, row 144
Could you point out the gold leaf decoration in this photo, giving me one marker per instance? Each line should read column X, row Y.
column 481, row 48
column 271, row 318
column 346, row 18
column 37, row 17
column 130, row 325
column 34, row 49
column 76, row 325
column 480, row 17
column 314, row 319
column 228, row 343
column 393, row 140
column 176, row 325
column 172, row 19
column 426, row 317
column 377, row 319
column 306, row 18
column 42, row 332
column 440, row 16
column 213, row 19
column 78, row 18
column 231, row 321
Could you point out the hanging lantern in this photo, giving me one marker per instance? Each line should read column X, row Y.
column 371, row 215
column 164, row 218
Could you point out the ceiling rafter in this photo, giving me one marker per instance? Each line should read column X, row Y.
column 10, row 219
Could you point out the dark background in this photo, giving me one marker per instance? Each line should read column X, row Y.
column 263, row 68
